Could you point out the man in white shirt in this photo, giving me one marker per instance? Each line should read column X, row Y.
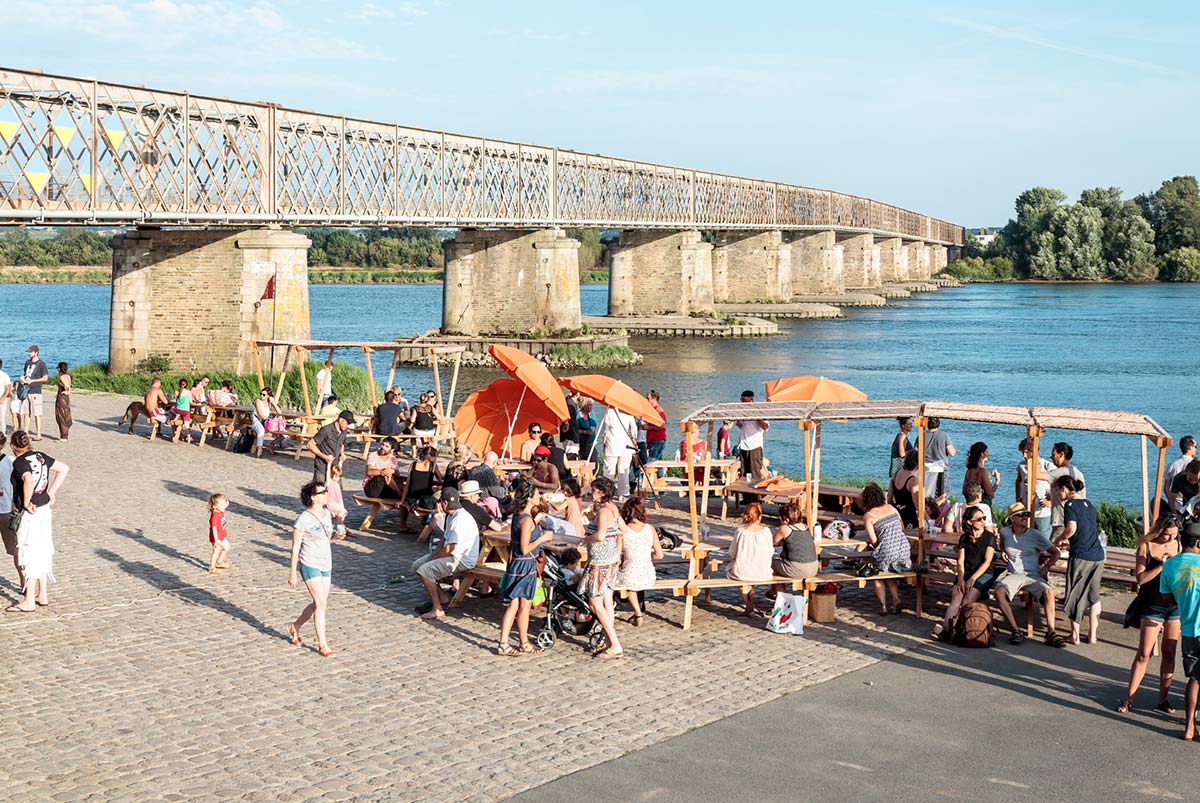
column 750, row 446
column 1061, row 456
column 6, row 529
column 618, row 434
column 459, row 551
column 1187, row 445
column 5, row 398
column 325, row 383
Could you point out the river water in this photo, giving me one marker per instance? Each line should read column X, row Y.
column 1120, row 347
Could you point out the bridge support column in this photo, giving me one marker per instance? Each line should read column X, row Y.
column 893, row 260
column 510, row 281
column 817, row 263
column 937, row 259
column 752, row 267
column 200, row 297
column 860, row 262
column 918, row 261
column 661, row 273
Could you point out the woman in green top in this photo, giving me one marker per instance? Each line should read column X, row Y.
column 183, row 409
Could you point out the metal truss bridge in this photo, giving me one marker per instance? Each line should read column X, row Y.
column 80, row 151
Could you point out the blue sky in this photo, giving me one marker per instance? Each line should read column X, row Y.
column 948, row 108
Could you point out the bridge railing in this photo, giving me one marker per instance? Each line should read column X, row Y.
column 78, row 151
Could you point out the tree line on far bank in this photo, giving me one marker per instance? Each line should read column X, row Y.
column 1151, row 237
column 413, row 249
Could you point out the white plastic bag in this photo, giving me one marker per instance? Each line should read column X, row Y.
column 788, row 615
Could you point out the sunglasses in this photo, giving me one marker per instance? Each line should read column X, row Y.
column 1019, row 516
column 977, row 519
column 319, row 493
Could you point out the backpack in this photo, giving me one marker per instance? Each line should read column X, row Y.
column 974, row 627
column 243, row 440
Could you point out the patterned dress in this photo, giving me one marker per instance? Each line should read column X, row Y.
column 637, row 562
column 892, row 553
column 603, row 557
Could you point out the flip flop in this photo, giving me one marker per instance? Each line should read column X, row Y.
column 326, row 653
column 294, row 635
column 19, row 609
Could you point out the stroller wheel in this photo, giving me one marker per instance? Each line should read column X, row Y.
column 546, row 638
column 596, row 639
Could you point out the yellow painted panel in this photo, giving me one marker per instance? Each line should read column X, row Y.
column 7, row 130
column 37, row 180
column 65, row 134
column 87, row 182
column 115, row 137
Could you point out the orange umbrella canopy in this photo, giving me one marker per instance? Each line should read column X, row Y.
column 812, row 388
column 613, row 393
column 535, row 375
column 484, row 420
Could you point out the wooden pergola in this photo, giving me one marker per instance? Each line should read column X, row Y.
column 1035, row 420
column 302, row 349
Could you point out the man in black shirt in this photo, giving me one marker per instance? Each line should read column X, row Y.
column 469, row 493
column 1185, row 486
column 329, row 445
column 387, row 415
column 36, row 478
column 33, row 376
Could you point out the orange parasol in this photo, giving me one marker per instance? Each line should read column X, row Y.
column 487, row 419
column 535, row 375
column 613, row 393
column 812, row 388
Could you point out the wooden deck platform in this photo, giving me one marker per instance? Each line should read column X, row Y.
column 681, row 326
column 809, row 311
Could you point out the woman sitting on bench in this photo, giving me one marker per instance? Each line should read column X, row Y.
column 798, row 557
column 750, row 554
column 382, row 480
column 885, row 532
column 423, row 479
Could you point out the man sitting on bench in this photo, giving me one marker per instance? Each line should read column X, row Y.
column 1025, row 562
column 458, row 552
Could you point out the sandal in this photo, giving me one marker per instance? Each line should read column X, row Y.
column 1165, row 707
column 637, row 620
column 1017, row 637
column 1124, row 706
column 1055, row 640
column 507, row 650
column 612, row 655
column 326, row 653
column 294, row 635
column 529, row 648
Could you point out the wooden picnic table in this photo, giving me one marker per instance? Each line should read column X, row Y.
column 723, row 472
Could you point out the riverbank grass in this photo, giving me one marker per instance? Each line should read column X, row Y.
column 349, row 384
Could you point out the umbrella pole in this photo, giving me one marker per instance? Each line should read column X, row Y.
column 816, row 470
column 707, row 468
column 689, row 430
column 808, row 490
column 512, row 422
column 1158, row 477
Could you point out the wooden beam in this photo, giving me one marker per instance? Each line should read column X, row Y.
column 808, row 487
column 1145, row 488
column 282, row 373
column 301, row 359
column 367, row 352
column 921, row 421
column 392, row 371
column 707, row 469
column 437, row 379
column 257, row 366
column 1158, row 480
column 816, row 471
column 689, row 437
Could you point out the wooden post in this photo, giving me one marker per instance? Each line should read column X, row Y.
column 392, row 370
column 367, row 352
column 1158, row 480
column 449, row 412
column 806, row 425
column 707, row 468
column 816, row 482
column 282, row 373
column 301, row 358
column 921, row 421
column 1145, row 488
column 437, row 379
column 257, row 365
column 1032, row 468
column 689, row 436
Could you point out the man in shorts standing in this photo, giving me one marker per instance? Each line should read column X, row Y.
column 750, row 447
column 1180, row 577
column 1026, row 558
column 34, row 376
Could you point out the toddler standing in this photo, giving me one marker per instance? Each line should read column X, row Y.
column 217, row 536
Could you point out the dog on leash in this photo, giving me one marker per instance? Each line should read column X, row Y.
column 135, row 410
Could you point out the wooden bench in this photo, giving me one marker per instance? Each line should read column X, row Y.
column 468, row 578
column 811, row 583
column 377, row 504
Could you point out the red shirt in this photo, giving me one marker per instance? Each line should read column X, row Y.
column 657, row 433
column 216, row 520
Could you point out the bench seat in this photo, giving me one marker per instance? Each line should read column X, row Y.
column 467, row 579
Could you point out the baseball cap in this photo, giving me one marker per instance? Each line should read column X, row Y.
column 450, row 497
column 347, row 416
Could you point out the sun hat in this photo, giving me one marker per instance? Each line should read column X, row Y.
column 468, row 487
column 1017, row 507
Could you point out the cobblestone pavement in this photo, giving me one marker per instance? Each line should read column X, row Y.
column 148, row 679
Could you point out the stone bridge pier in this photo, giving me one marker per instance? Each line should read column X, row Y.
column 750, row 267
column 860, row 262
column 817, row 263
column 505, row 281
column 201, row 296
column 893, row 260
column 661, row 273
column 918, row 260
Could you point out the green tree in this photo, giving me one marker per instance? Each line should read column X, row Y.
column 1182, row 265
column 1034, row 208
column 590, row 248
column 1129, row 245
column 1071, row 247
column 1106, row 199
column 345, row 247
column 971, row 246
column 1174, row 213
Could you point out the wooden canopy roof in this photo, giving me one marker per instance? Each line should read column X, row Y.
column 1116, row 422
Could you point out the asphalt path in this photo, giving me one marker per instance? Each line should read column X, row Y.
column 1011, row 723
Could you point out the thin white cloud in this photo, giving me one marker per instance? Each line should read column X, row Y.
column 373, row 11
column 1025, row 37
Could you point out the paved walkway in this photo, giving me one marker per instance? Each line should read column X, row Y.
column 148, row 679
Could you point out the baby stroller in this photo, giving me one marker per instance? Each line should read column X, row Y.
column 567, row 610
